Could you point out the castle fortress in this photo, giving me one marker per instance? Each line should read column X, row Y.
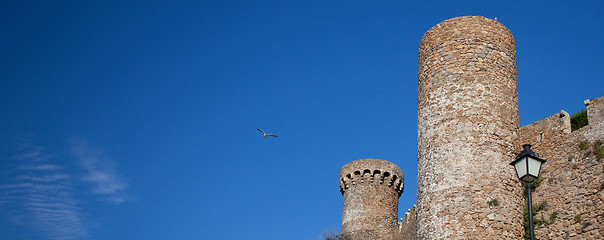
column 468, row 133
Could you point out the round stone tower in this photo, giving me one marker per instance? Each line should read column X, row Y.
column 371, row 189
column 467, row 123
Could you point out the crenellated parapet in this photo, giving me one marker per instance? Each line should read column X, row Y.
column 547, row 128
column 557, row 127
column 371, row 171
column 407, row 227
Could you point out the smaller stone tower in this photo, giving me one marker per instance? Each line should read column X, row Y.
column 371, row 189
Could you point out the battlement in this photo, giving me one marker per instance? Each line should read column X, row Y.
column 559, row 125
column 371, row 171
column 407, row 226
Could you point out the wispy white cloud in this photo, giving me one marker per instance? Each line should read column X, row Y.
column 101, row 172
column 41, row 167
column 39, row 195
column 53, row 177
column 31, row 153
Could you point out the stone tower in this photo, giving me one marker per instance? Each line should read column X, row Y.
column 467, row 125
column 371, row 189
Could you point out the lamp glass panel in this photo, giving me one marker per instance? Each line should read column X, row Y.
column 521, row 167
column 534, row 166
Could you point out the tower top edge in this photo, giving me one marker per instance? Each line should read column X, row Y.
column 465, row 22
column 371, row 164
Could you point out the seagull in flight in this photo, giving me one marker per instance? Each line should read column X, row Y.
column 266, row 135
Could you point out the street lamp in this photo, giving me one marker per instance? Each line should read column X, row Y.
column 528, row 165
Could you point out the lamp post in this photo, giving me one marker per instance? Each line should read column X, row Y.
column 528, row 165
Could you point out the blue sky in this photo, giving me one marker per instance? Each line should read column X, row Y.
column 137, row 119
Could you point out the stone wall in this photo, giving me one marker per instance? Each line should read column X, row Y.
column 571, row 189
column 407, row 225
column 551, row 127
column 467, row 126
column 595, row 117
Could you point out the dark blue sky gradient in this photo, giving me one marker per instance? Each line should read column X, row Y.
column 162, row 100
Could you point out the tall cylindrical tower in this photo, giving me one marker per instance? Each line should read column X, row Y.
column 467, row 123
column 371, row 189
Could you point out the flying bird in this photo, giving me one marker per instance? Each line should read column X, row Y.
column 266, row 135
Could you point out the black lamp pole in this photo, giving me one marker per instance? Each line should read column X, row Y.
column 529, row 199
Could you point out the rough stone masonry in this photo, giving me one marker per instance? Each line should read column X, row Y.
column 371, row 189
column 467, row 124
column 468, row 133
